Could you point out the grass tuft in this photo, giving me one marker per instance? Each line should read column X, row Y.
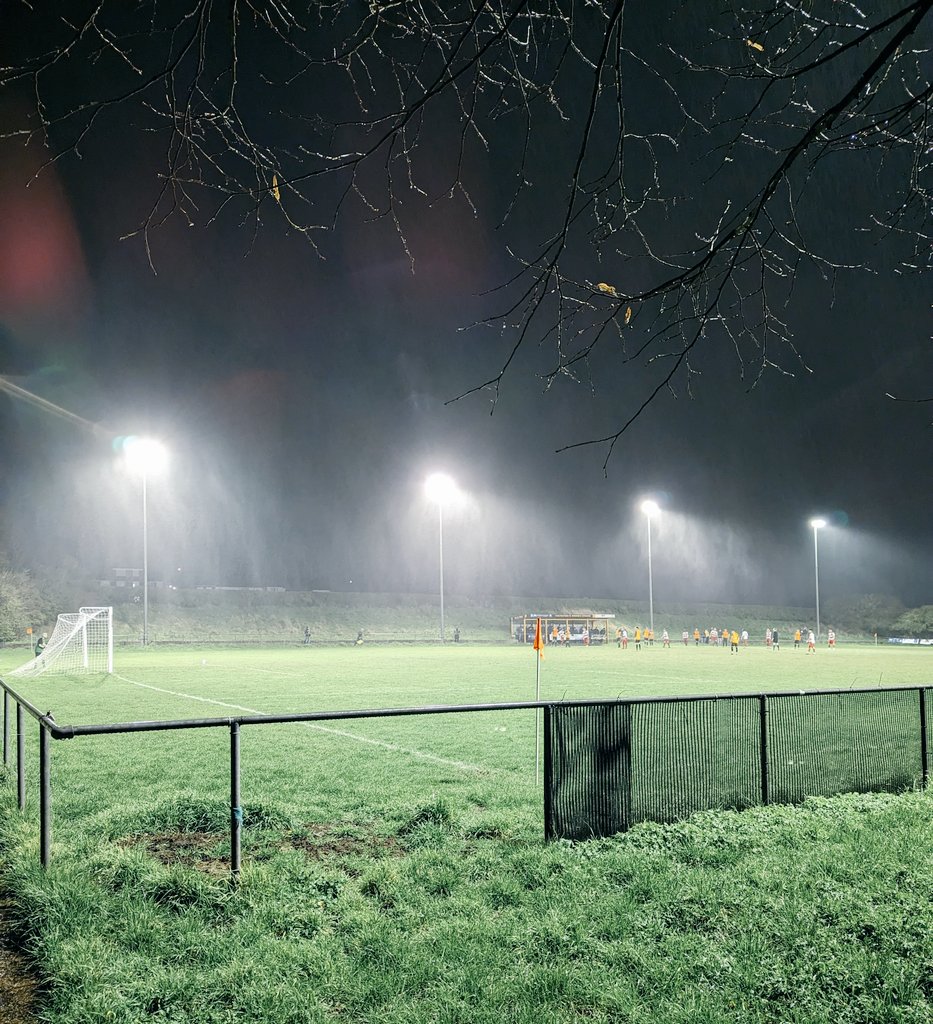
column 211, row 817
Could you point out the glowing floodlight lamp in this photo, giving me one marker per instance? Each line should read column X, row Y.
column 441, row 489
column 651, row 509
column 817, row 525
column 145, row 457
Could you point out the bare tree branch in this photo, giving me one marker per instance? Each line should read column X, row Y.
column 693, row 150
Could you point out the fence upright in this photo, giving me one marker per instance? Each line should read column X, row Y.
column 20, row 758
column 236, row 809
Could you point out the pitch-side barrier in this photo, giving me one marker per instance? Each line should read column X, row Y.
column 610, row 764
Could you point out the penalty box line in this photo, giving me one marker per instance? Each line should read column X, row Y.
column 465, row 765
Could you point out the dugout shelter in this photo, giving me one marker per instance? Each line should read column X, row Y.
column 576, row 626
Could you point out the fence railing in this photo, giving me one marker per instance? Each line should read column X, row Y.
column 610, row 764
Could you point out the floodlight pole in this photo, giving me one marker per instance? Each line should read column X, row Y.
column 650, row 582
column 816, row 576
column 440, row 558
column 440, row 488
column 650, row 509
column 145, row 563
column 142, row 456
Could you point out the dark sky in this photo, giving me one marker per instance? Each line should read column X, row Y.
column 302, row 395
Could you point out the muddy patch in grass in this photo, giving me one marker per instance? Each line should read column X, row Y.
column 189, row 849
column 323, row 841
column 17, row 986
column 202, row 850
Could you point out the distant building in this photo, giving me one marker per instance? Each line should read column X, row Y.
column 260, row 590
column 121, row 577
column 594, row 626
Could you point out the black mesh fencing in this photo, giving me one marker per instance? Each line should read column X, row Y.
column 927, row 730
column 856, row 742
column 610, row 765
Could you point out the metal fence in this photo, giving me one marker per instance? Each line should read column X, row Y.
column 611, row 764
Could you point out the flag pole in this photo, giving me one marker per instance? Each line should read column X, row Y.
column 539, row 650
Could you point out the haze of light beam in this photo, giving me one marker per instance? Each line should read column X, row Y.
column 50, row 407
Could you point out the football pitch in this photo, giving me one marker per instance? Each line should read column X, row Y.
column 332, row 769
column 394, row 870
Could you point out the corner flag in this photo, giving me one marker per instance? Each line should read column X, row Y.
column 539, row 647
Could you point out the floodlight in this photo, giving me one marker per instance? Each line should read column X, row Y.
column 650, row 508
column 145, row 455
column 817, row 524
column 440, row 488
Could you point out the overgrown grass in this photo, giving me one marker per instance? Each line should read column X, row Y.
column 394, row 871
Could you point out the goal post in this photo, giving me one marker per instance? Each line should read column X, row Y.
column 81, row 644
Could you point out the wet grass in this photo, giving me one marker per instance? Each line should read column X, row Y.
column 394, row 871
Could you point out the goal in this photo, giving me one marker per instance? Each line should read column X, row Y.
column 80, row 644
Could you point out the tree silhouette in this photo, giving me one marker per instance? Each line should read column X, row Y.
column 680, row 162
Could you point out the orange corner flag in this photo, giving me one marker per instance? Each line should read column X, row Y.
column 539, row 643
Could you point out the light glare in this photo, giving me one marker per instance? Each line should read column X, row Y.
column 440, row 488
column 145, row 455
column 817, row 524
column 650, row 508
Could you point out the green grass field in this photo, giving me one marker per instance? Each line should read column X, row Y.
column 394, row 869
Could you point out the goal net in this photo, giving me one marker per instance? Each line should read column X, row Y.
column 80, row 644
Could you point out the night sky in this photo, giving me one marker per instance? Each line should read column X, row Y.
column 303, row 394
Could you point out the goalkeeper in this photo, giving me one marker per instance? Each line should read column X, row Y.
column 40, row 645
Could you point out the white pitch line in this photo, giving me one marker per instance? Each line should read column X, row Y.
column 465, row 765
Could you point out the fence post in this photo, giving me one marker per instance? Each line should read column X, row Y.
column 548, row 777
column 20, row 758
column 236, row 811
column 45, row 797
column 6, row 728
column 763, row 747
column 924, row 751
